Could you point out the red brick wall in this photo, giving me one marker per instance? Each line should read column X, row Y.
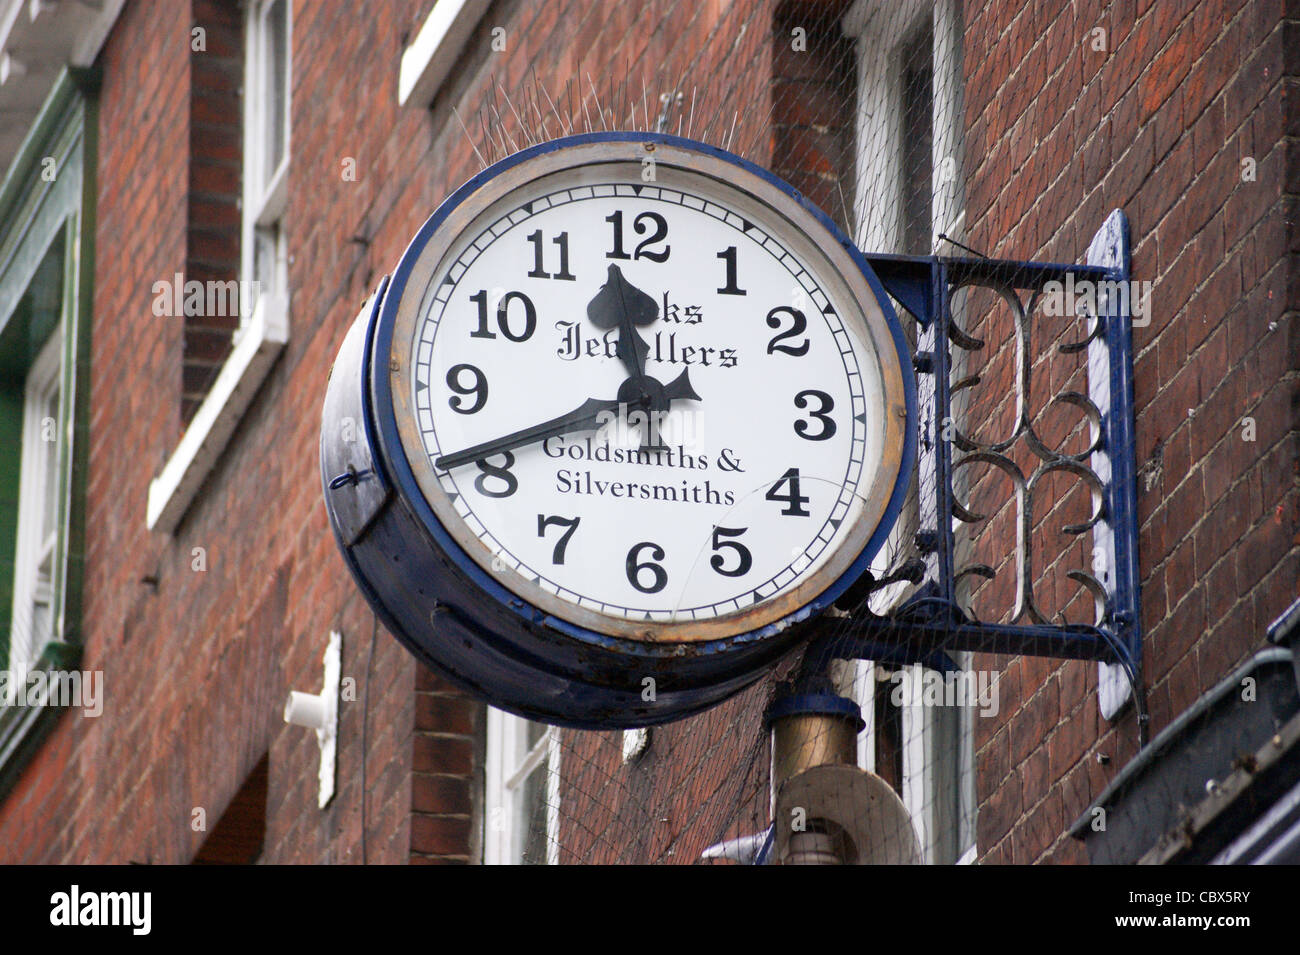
column 699, row 782
column 216, row 129
column 142, row 178
column 813, row 101
column 447, row 774
column 197, row 663
column 1157, row 125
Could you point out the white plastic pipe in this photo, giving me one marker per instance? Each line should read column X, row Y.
column 306, row 709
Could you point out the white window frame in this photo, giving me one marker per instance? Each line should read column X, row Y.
column 922, row 746
column 509, row 762
column 36, row 545
column 264, row 322
column 881, row 29
column 265, row 193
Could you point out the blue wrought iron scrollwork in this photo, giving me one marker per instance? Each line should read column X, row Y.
column 933, row 622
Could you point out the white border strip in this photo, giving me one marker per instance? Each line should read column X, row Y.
column 427, row 61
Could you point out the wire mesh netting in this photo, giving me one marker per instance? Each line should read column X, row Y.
column 861, row 110
column 870, row 109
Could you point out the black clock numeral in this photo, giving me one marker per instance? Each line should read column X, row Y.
column 635, row 566
column 822, row 414
column 639, row 224
column 543, row 522
column 799, row 326
column 794, row 499
column 479, row 389
column 500, row 473
column 503, row 316
column 731, row 288
column 744, row 559
column 482, row 331
column 539, row 272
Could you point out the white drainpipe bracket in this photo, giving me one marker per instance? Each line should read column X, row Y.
column 321, row 713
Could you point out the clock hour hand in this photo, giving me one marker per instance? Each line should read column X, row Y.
column 680, row 388
column 620, row 304
column 585, row 417
column 649, row 396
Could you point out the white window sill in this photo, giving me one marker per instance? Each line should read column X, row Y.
column 260, row 343
column 428, row 60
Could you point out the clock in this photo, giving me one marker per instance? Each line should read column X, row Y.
column 630, row 411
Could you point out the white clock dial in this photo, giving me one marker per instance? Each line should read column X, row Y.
column 584, row 312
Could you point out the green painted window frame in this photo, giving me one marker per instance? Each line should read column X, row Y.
column 48, row 196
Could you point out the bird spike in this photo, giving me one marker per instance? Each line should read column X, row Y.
column 627, row 68
column 523, row 127
column 599, row 108
column 587, row 114
column 558, row 118
column 483, row 162
column 501, row 127
column 850, row 221
column 541, row 117
column 487, row 137
column 496, row 126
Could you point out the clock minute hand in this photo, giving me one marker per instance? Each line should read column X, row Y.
column 620, row 304
column 585, row 417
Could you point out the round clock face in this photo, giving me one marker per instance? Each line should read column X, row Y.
column 653, row 400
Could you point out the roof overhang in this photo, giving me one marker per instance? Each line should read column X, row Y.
column 38, row 38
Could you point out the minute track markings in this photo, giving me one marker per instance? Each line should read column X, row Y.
column 475, row 249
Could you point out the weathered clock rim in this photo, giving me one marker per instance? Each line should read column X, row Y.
column 425, row 258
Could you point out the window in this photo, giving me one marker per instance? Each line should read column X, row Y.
column 46, row 267
column 33, row 575
column 916, row 153
column 263, row 326
column 923, row 751
column 428, row 60
column 909, row 127
column 266, row 146
column 910, row 122
column 522, row 790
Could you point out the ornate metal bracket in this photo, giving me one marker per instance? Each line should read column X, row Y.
column 933, row 622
